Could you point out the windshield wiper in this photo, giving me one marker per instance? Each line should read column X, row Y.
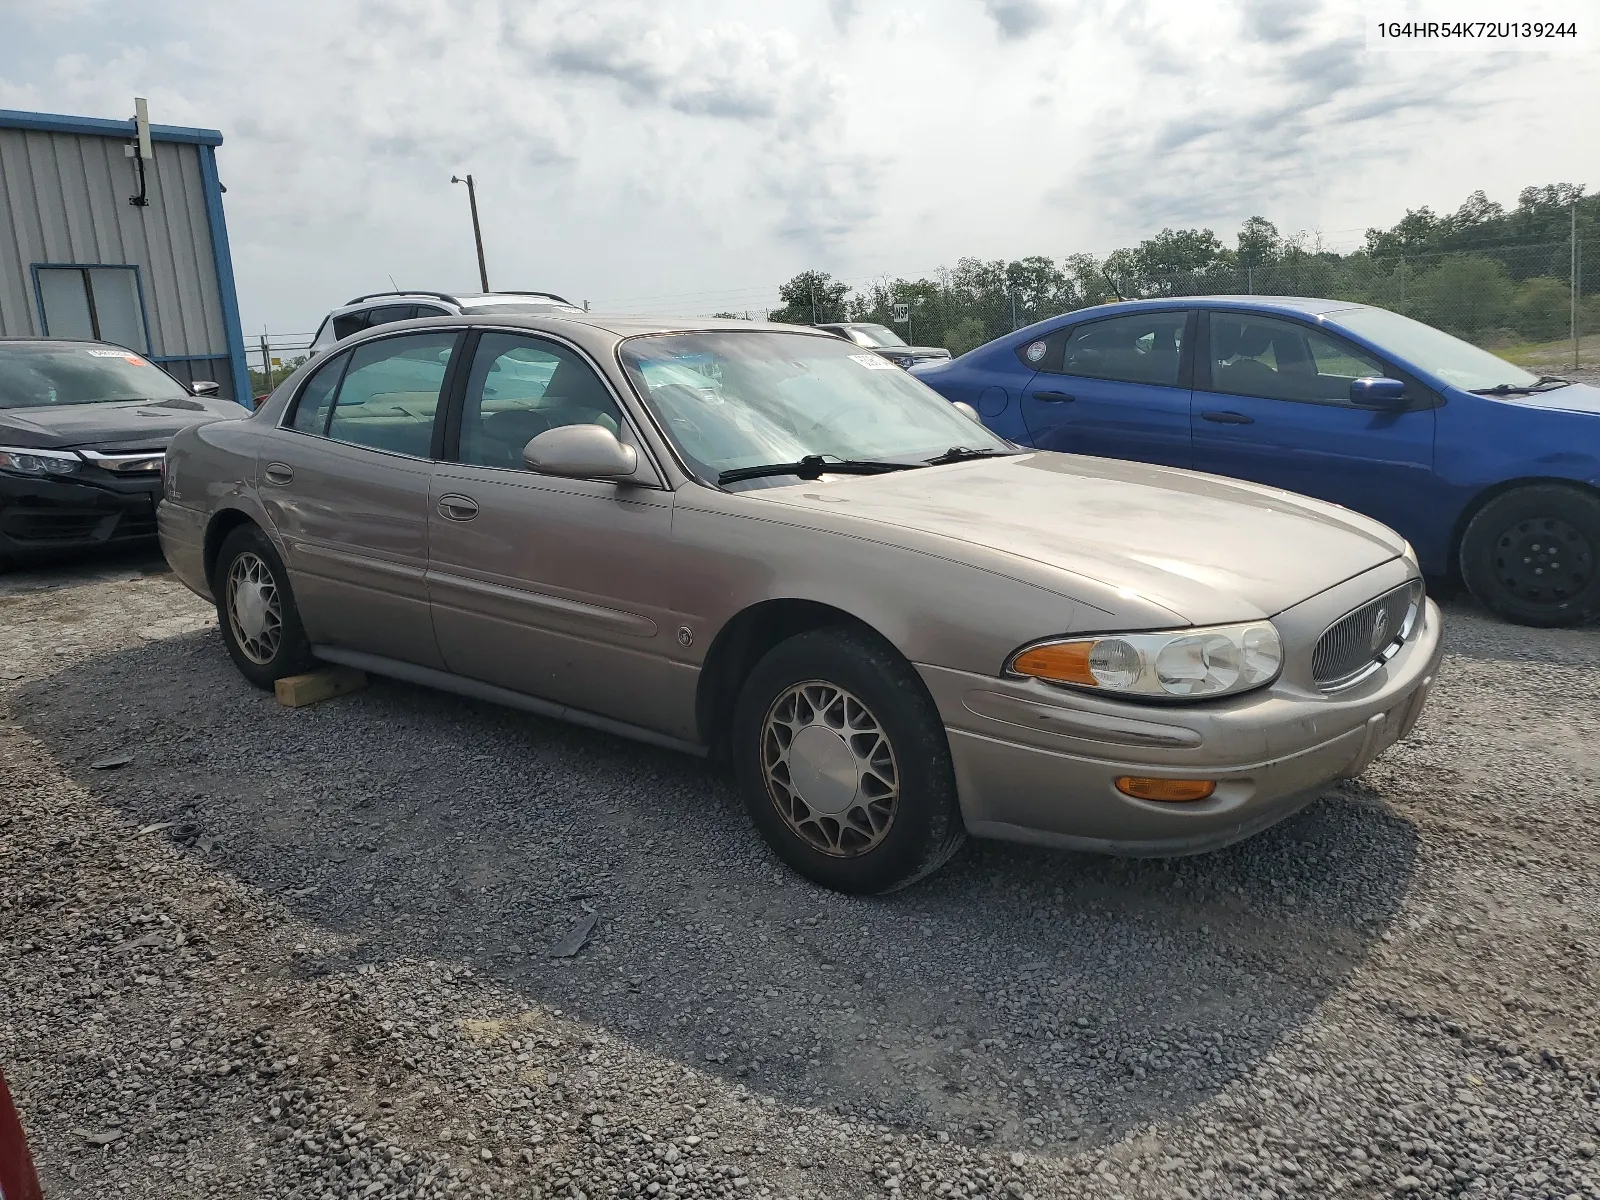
column 813, row 466
column 1544, row 383
column 962, row 454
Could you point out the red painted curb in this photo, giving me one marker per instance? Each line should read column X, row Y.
column 17, row 1178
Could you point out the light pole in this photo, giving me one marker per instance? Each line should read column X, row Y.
column 477, row 233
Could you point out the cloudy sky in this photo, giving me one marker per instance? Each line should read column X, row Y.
column 688, row 156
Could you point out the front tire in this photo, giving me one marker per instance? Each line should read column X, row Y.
column 843, row 763
column 1533, row 555
column 255, row 609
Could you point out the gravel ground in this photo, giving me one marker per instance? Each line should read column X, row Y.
column 308, row 953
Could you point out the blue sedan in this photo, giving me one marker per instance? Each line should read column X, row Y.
column 1492, row 473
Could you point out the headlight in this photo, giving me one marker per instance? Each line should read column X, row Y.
column 1183, row 664
column 38, row 462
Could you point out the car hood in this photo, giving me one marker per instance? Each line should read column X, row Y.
column 1575, row 397
column 1204, row 548
column 137, row 425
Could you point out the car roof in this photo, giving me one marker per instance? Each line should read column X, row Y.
column 1303, row 305
column 14, row 340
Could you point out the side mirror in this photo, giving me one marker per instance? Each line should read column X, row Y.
column 1377, row 393
column 966, row 410
column 580, row 452
column 204, row 387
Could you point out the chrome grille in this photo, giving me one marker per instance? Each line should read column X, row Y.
column 1361, row 641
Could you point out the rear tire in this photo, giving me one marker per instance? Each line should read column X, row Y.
column 256, row 611
column 843, row 763
column 1533, row 555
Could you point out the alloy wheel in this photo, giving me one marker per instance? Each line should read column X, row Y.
column 830, row 769
column 255, row 613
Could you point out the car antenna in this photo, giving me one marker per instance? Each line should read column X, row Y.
column 393, row 284
column 1112, row 283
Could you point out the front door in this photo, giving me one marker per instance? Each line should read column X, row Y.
column 1272, row 405
column 557, row 588
column 1116, row 387
column 345, row 483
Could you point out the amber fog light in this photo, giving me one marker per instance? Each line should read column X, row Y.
column 1165, row 789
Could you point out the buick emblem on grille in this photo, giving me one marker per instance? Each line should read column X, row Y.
column 1380, row 629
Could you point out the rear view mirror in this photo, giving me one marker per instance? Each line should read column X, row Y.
column 580, row 452
column 204, row 387
column 1377, row 393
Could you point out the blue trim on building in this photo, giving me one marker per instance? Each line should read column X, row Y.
column 11, row 118
column 225, row 285
column 138, row 286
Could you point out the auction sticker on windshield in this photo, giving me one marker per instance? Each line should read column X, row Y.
column 123, row 354
column 874, row 362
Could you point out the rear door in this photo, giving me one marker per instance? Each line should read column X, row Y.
column 345, row 482
column 1117, row 387
column 558, row 588
column 1272, row 405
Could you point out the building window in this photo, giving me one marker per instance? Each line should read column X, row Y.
column 98, row 303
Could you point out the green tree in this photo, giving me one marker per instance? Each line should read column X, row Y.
column 966, row 334
column 1173, row 253
column 812, row 298
column 1259, row 242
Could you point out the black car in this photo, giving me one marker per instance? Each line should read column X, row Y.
column 883, row 341
column 83, row 430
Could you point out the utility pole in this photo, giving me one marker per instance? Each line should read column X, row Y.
column 477, row 232
column 266, row 361
column 1574, row 283
column 1013, row 310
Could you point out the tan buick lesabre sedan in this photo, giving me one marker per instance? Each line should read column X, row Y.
column 764, row 544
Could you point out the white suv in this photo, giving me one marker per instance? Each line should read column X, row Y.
column 382, row 308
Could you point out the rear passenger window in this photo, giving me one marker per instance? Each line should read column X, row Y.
column 389, row 396
column 316, row 398
column 390, row 313
column 1141, row 348
column 350, row 323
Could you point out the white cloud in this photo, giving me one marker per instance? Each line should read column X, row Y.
column 702, row 151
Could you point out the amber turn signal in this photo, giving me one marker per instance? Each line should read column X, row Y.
column 1165, row 789
column 1063, row 662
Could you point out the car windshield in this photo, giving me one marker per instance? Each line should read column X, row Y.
column 732, row 400
column 37, row 376
column 875, row 335
column 1432, row 350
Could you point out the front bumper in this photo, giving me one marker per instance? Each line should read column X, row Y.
column 1038, row 764
column 47, row 515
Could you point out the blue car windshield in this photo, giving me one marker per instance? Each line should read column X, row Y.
column 1432, row 350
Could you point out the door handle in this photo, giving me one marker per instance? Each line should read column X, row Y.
column 457, row 508
column 279, row 473
column 1054, row 397
column 1228, row 418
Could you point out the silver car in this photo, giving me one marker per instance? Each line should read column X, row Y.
column 763, row 544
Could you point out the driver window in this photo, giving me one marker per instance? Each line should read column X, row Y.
column 1284, row 360
column 522, row 386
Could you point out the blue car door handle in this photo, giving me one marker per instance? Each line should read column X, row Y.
column 1228, row 418
column 1054, row 397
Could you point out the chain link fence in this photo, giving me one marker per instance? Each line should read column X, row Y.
column 1516, row 299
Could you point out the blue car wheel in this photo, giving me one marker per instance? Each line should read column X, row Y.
column 1532, row 555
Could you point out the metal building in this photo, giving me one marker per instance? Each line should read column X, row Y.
column 107, row 234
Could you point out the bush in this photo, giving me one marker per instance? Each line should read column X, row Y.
column 1467, row 296
column 1542, row 309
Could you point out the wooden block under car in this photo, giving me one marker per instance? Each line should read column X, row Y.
column 297, row 691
